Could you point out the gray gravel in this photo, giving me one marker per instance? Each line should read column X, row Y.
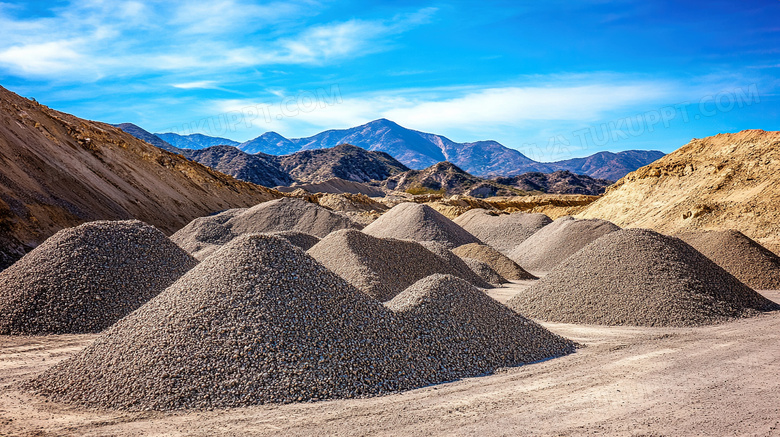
column 84, row 279
column 484, row 271
column 456, row 265
column 642, row 278
column 747, row 260
column 552, row 244
column 495, row 259
column 300, row 239
column 503, row 232
column 419, row 222
column 467, row 333
column 203, row 236
column 262, row 322
column 382, row 267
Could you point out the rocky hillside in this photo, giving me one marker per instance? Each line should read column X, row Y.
column 446, row 178
column 343, row 161
column 149, row 137
column 58, row 171
column 720, row 182
column 259, row 168
column 608, row 165
column 559, row 182
column 195, row 141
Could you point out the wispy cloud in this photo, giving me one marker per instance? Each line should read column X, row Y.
column 203, row 84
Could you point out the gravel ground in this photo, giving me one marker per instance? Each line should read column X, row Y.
column 502, row 231
column 203, row 236
column 468, row 332
column 748, row 261
column 642, row 278
column 419, row 222
column 382, row 267
column 84, row 279
column 552, row 244
column 457, row 266
column 484, row 271
column 495, row 259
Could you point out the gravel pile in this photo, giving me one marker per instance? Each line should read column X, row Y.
column 84, row 279
column 642, row 278
column 419, row 222
column 257, row 322
column 300, row 239
column 382, row 267
column 495, row 259
column 456, row 265
column 502, row 231
column 203, row 236
column 552, row 244
column 468, row 332
column 748, row 261
column 484, row 271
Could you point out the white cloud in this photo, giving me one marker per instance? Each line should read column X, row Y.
column 202, row 84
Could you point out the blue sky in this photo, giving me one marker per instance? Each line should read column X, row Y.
column 553, row 79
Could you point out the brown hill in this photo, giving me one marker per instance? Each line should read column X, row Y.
column 728, row 181
column 58, row 171
column 446, row 178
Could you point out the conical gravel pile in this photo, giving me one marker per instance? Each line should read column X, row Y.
column 499, row 262
column 418, row 222
column 552, row 244
column 203, row 236
column 468, row 332
column 456, row 265
column 642, row 278
column 381, row 267
column 84, row 279
column 484, row 271
column 502, row 231
column 257, row 322
column 750, row 262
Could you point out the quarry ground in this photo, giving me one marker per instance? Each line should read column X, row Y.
column 716, row 380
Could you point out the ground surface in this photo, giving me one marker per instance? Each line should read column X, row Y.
column 717, row 380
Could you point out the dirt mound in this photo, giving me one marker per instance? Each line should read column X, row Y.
column 382, row 267
column 457, row 266
column 260, row 321
column 412, row 221
column 502, row 231
column 60, row 171
column 642, row 278
column 205, row 235
column 469, row 332
column 727, row 181
column 84, row 279
column 748, row 261
column 557, row 241
column 495, row 259
column 484, row 271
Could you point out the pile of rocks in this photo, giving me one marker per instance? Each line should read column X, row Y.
column 484, row 271
column 642, row 278
column 499, row 262
column 501, row 231
column 419, row 222
column 552, row 244
column 84, row 279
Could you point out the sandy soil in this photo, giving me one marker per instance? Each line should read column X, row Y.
column 717, row 380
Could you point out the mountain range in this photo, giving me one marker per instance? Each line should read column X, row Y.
column 418, row 150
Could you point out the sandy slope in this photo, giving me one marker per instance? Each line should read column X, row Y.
column 717, row 380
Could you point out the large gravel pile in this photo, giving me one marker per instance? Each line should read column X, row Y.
column 502, row 264
column 468, row 332
column 84, row 279
column 748, row 261
column 259, row 321
column 484, row 271
column 552, row 244
column 205, row 235
column 419, row 222
column 382, row 267
column 300, row 239
column 642, row 278
column 502, row 231
column 456, row 265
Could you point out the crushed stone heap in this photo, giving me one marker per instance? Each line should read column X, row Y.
column 503, row 232
column 84, row 279
column 418, row 222
column 642, row 278
column 499, row 262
